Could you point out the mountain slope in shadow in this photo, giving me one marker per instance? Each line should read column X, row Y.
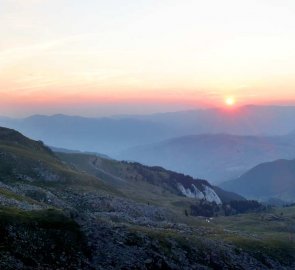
column 274, row 179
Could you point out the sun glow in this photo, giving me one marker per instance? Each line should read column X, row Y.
column 230, row 101
column 49, row 59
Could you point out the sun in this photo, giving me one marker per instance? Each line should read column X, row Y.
column 230, row 101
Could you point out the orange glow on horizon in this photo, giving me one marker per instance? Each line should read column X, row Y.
column 55, row 61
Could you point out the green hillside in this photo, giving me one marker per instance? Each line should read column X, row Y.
column 147, row 184
column 28, row 161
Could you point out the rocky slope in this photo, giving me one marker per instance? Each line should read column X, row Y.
column 78, row 221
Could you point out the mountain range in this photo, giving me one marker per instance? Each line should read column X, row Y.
column 104, row 135
column 214, row 144
column 111, row 135
column 245, row 120
column 218, row 157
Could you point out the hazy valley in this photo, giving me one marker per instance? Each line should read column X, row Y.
column 218, row 157
column 214, row 144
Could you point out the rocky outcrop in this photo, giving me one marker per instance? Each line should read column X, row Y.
column 207, row 193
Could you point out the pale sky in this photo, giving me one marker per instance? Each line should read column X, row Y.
column 67, row 56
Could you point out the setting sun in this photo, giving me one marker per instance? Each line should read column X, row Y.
column 230, row 101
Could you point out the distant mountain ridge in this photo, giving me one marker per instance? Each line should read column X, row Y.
column 271, row 180
column 225, row 144
column 103, row 135
column 217, row 157
column 254, row 120
column 111, row 135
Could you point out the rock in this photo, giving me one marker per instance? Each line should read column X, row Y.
column 148, row 261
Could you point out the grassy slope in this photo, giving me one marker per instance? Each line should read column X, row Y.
column 23, row 159
column 123, row 177
column 144, row 184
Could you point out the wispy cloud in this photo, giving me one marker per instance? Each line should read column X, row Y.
column 10, row 56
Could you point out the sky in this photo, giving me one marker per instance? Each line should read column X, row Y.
column 96, row 57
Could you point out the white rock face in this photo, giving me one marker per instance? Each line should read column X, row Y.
column 192, row 192
column 198, row 194
column 211, row 195
column 208, row 194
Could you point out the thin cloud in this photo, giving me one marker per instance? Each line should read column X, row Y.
column 10, row 55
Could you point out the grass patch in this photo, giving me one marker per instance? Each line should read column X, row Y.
column 11, row 195
column 41, row 238
column 49, row 218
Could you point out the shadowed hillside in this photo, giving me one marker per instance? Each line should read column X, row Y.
column 268, row 180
